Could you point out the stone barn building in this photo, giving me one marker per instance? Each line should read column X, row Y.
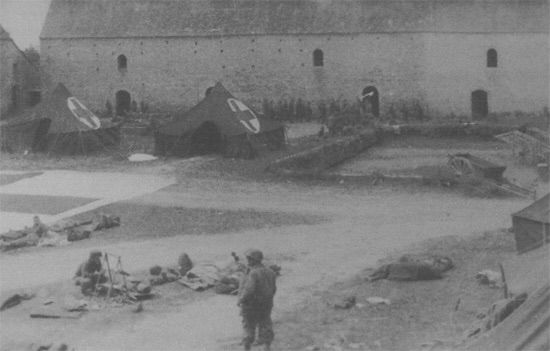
column 466, row 57
column 19, row 78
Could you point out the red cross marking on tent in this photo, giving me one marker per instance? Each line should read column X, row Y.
column 82, row 113
column 245, row 115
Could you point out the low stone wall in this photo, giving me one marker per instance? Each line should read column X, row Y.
column 314, row 161
column 480, row 130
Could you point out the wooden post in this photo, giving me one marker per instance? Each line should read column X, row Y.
column 119, row 266
column 110, row 276
column 505, row 286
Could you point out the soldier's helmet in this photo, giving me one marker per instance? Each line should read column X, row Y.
column 95, row 253
column 255, row 255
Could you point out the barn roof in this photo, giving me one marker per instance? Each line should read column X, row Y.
column 3, row 34
column 191, row 18
column 538, row 211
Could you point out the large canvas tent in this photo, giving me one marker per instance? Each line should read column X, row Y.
column 60, row 124
column 526, row 329
column 219, row 123
column 531, row 226
column 22, row 134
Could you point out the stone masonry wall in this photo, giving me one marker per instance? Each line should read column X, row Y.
column 9, row 74
column 438, row 70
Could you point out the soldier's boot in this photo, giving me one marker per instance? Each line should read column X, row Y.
column 247, row 346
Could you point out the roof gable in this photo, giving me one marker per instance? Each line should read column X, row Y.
column 538, row 211
column 191, row 18
column 3, row 34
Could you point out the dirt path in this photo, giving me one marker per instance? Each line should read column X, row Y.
column 364, row 226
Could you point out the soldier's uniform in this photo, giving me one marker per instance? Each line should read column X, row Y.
column 90, row 273
column 39, row 228
column 256, row 293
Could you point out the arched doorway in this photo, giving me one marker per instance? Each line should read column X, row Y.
column 207, row 139
column 123, row 102
column 370, row 101
column 480, row 105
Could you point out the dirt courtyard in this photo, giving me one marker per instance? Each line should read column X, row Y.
column 320, row 234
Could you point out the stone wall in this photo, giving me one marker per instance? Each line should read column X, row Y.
column 436, row 62
column 19, row 77
column 10, row 76
column 313, row 162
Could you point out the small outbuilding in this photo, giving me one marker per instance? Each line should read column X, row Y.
column 219, row 123
column 531, row 225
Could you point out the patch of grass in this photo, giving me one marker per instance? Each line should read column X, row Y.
column 44, row 204
column 420, row 311
column 443, row 143
column 106, row 159
column 12, row 178
column 148, row 222
column 239, row 169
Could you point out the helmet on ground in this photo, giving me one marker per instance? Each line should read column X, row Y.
column 255, row 255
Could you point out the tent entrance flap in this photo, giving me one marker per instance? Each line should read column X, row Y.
column 206, row 139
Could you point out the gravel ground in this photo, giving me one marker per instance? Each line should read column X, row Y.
column 361, row 225
column 420, row 313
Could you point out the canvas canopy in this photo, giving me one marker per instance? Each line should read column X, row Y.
column 531, row 225
column 526, row 329
column 218, row 123
column 22, row 134
column 62, row 124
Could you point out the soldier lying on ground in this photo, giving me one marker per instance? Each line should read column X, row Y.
column 26, row 237
column 413, row 268
column 90, row 273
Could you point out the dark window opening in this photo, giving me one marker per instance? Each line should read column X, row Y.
column 370, row 101
column 480, row 105
column 318, row 59
column 122, row 62
column 492, row 58
column 123, row 102
column 34, row 97
column 14, row 96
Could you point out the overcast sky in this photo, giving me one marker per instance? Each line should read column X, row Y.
column 23, row 19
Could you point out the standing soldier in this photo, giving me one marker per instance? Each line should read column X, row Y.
column 256, row 301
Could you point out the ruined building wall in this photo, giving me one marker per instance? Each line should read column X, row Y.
column 10, row 76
